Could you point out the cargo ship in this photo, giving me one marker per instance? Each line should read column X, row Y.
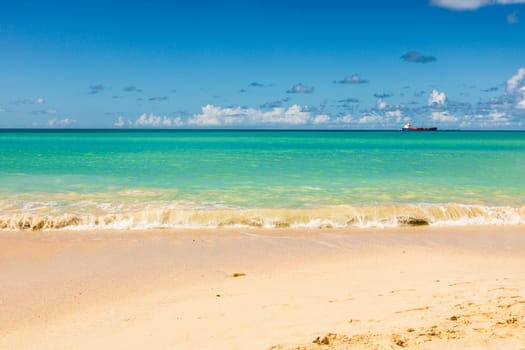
column 409, row 127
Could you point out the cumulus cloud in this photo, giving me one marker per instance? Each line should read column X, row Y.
column 158, row 98
column 120, row 122
column 345, row 119
column 515, row 80
column 381, row 104
column 416, row 57
column 293, row 115
column 466, row 5
column 497, row 116
column 321, row 119
column 217, row 116
column 300, row 89
column 521, row 100
column 505, row 109
column 61, row 123
column 396, row 115
column 151, row 120
column 491, row 120
column 370, row 119
column 96, row 89
column 443, row 117
column 353, row 79
column 437, row 98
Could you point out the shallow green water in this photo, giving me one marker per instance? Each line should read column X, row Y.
column 46, row 173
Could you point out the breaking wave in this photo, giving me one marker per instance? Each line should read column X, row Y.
column 342, row 216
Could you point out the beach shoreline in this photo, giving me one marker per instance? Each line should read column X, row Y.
column 257, row 288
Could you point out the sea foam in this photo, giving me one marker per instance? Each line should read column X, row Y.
column 155, row 215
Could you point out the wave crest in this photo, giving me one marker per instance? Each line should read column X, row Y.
column 326, row 217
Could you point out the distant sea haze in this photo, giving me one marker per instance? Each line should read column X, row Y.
column 272, row 179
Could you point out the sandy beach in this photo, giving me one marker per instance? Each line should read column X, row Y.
column 262, row 175
column 415, row 288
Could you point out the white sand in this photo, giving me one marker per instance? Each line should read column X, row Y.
column 416, row 288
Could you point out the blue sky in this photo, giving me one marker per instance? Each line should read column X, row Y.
column 263, row 64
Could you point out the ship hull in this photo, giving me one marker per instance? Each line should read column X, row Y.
column 419, row 129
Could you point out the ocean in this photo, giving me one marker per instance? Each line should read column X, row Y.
column 116, row 179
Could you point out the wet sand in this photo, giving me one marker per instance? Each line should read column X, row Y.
column 415, row 288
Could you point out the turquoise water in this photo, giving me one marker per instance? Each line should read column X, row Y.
column 258, row 178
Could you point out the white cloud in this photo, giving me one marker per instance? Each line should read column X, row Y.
column 493, row 119
column 177, row 121
column 61, row 122
column 443, row 117
column 120, row 122
column 354, row 79
column 515, row 80
column 381, row 104
column 437, row 97
column 321, row 118
column 370, row 119
column 521, row 103
column 344, row 119
column 293, row 115
column 398, row 115
column 508, row 2
column 497, row 116
column 300, row 89
column 152, row 120
column 461, row 5
column 217, row 116
column 465, row 124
